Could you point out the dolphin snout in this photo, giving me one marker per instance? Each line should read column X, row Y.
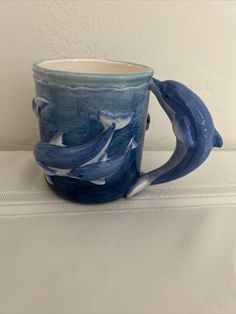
column 156, row 87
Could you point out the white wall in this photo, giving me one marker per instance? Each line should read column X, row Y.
column 193, row 42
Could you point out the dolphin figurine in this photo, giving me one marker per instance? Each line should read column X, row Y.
column 38, row 104
column 97, row 172
column 194, row 130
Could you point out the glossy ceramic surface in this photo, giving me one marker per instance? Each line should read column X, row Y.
column 92, row 127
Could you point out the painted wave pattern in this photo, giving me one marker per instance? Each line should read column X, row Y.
column 89, row 161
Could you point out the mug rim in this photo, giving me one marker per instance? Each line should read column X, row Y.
column 147, row 71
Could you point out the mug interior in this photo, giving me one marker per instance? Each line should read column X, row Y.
column 93, row 66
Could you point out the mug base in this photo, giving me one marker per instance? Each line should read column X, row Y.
column 78, row 194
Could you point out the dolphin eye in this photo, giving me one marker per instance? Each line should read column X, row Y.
column 80, row 176
column 166, row 96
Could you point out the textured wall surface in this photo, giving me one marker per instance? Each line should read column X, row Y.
column 193, row 42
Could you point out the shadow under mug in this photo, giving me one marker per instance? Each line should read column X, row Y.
column 92, row 118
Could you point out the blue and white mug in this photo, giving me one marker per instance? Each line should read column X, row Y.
column 92, row 119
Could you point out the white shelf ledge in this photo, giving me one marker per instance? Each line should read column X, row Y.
column 170, row 249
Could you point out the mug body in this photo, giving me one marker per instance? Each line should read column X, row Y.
column 92, row 118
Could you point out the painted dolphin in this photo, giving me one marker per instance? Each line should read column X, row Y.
column 194, row 130
column 97, row 172
column 55, row 155
column 38, row 104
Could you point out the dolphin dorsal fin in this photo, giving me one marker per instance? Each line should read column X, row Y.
column 106, row 118
column 217, row 140
column 103, row 157
column 134, row 144
column 57, row 139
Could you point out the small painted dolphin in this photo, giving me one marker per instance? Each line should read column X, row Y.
column 97, row 172
column 120, row 120
column 107, row 119
column 38, row 104
column 194, row 130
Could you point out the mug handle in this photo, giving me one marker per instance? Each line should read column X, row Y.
column 194, row 130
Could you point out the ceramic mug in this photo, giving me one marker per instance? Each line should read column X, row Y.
column 92, row 119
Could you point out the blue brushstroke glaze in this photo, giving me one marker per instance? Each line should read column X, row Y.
column 79, row 113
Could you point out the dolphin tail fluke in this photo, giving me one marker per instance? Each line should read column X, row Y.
column 141, row 184
column 120, row 120
column 217, row 140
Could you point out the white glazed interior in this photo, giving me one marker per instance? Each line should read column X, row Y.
column 95, row 66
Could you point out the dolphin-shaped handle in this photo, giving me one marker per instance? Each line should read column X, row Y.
column 194, row 130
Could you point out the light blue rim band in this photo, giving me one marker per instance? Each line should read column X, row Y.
column 67, row 76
